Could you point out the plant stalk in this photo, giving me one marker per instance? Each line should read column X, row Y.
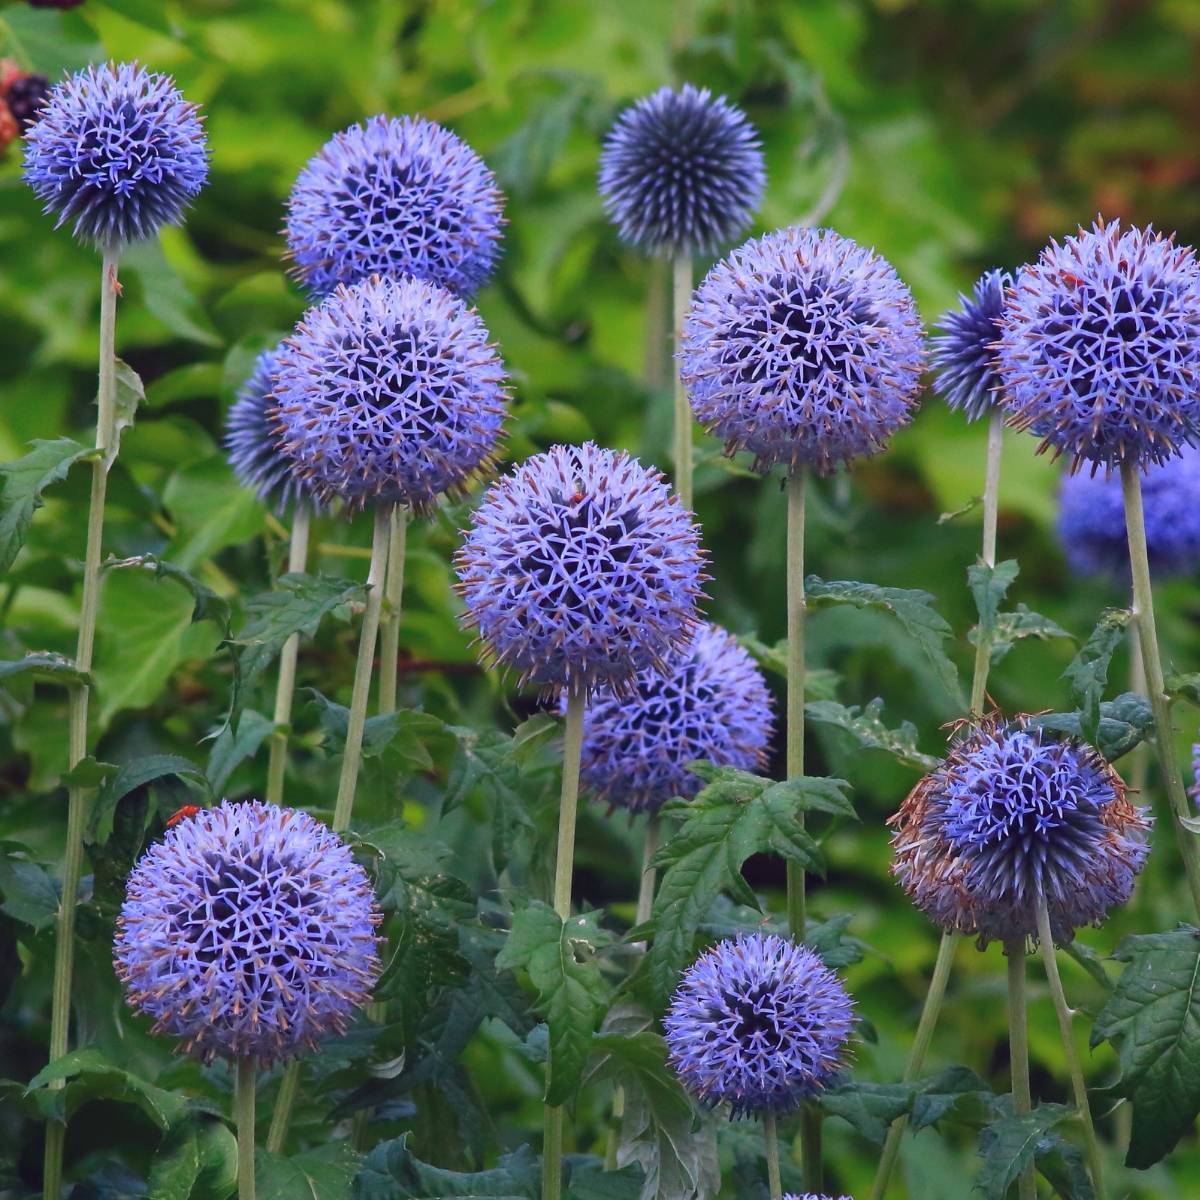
column 987, row 552
column 796, row 612
column 682, row 291
column 243, row 1100
column 1018, row 1050
column 771, row 1143
column 645, row 900
column 393, row 595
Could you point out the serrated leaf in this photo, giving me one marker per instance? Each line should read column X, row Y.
column 1087, row 673
column 21, row 486
column 869, row 1108
column 128, row 396
column 940, row 1094
column 206, row 606
column 1125, row 722
column 820, row 683
column 1183, row 685
column 233, row 746
column 326, row 1173
column 1012, row 1143
column 30, row 893
column 866, row 727
column 832, row 944
column 989, row 585
column 44, row 664
column 400, row 737
column 1021, row 623
column 135, row 774
column 392, row 1172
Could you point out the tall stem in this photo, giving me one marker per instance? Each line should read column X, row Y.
column 1063, row 1011
column 393, row 594
column 1139, row 766
column 1018, row 1049
column 285, row 687
column 796, row 610
column 243, row 1100
column 682, row 290
column 1143, row 609
column 987, row 551
column 64, row 949
column 771, row 1144
column 645, row 900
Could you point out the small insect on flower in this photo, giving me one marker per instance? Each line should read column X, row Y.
column 964, row 349
column 182, row 814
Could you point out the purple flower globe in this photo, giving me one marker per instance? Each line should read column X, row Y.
column 964, row 350
column 117, row 153
column 1091, row 520
column 804, row 348
column 710, row 703
column 681, row 172
column 389, row 392
column 249, row 930
column 395, row 196
column 1100, row 347
column 1014, row 815
column 581, row 568
column 758, row 1023
column 813, row 1196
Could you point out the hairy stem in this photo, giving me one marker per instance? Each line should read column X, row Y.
column 682, row 288
column 771, row 1144
column 243, row 1100
column 1018, row 1050
column 393, row 594
column 796, row 610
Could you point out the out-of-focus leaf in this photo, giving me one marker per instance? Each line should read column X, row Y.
column 30, row 893
column 233, row 746
column 44, row 664
column 22, row 484
column 208, row 606
column 392, row 1172
column 1011, row 1143
column 324, row 1173
column 210, row 511
column 166, row 295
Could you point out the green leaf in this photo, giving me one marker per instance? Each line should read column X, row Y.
column 398, row 737
column 869, row 1107
column 44, row 664
column 1087, row 672
column 165, row 294
column 30, row 893
column 1125, row 722
column 128, row 397
column 176, row 1165
column 832, row 944
column 207, row 605
column 326, row 1173
column 136, row 774
column 819, row 682
column 590, row 1180
column 1012, row 1143
column 231, row 748
column 210, row 511
column 943, row 1093
column 22, row 484
column 866, row 727
column 989, row 585
column 392, row 1172
column 1180, row 685
column 1153, row 1018
column 1012, row 627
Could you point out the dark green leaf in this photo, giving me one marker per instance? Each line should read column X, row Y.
column 136, row 774
column 22, row 484
column 44, row 664
column 1012, row 627
column 207, row 605
column 231, row 749
column 866, row 727
column 869, row 1107
column 326, row 1173
column 1088, row 670
column 1125, row 722
column 989, row 585
column 1011, row 1143
column 392, row 1172
column 831, row 942
column 176, row 1165
column 940, row 1094
column 588, row 1180
column 30, row 894
column 1180, row 685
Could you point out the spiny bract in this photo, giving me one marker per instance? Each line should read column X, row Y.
column 389, row 392
column 804, row 348
column 681, row 171
column 395, row 196
column 248, row 930
column 117, row 153
column 758, row 1023
column 581, row 568
column 964, row 350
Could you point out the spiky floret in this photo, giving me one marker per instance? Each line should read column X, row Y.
column 1100, row 347
column 758, row 1023
column 581, row 568
column 1091, row 520
column 709, row 703
column 964, row 348
column 395, row 196
column 681, row 171
column 804, row 348
column 117, row 153
column 248, row 930
column 1012, row 815
column 389, row 392
column 813, row 1196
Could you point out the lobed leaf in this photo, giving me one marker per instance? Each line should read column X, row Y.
column 1087, row 673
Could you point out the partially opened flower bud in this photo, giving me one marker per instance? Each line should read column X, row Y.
column 964, row 348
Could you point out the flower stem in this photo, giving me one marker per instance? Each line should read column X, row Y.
column 987, row 552
column 1063, row 1011
column 645, row 900
column 682, row 288
column 286, row 685
column 1018, row 1049
column 243, row 1101
column 64, row 949
column 393, row 594
column 796, row 610
column 771, row 1141
column 1143, row 610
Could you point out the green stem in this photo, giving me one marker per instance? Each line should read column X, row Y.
column 285, row 1100
column 796, row 609
column 682, row 289
column 1018, row 1049
column 645, row 900
column 64, row 949
column 243, row 1101
column 1063, row 1011
column 987, row 553
column 771, row 1143
column 656, row 326
column 810, row 1148
column 1143, row 609
column 393, row 594
column 1139, row 766
column 285, row 687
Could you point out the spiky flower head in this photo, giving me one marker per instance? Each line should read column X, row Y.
column 964, row 349
column 1015, row 815
column 248, row 930
column 1194, row 790
column 1100, row 347
column 813, row 1196
column 681, row 171
column 1091, row 520
column 581, row 568
column 389, row 392
column 710, row 703
column 395, row 196
column 804, row 348
column 758, row 1023
column 117, row 153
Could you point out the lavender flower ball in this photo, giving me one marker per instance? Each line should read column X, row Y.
column 581, row 568
column 711, row 703
column 117, row 153
column 389, row 392
column 248, row 930
column 758, row 1023
column 813, row 1196
column 804, row 348
column 681, row 172
column 1100, row 347
column 1013, row 815
column 1091, row 520
column 964, row 349
column 395, row 196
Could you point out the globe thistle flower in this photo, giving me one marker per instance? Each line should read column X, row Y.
column 804, row 348
column 395, row 196
column 681, row 172
column 248, row 930
column 1100, row 347
column 1015, row 815
column 758, row 1023
column 581, row 568
column 964, row 350
column 389, row 392
column 117, row 153
column 813, row 1196
column 1091, row 520
column 711, row 703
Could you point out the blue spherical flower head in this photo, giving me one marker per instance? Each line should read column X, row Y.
column 389, row 392
column 117, row 153
column 395, row 196
column 248, row 930
column 681, row 172
column 1100, row 347
column 804, row 348
column 813, row 1196
column 964, row 350
column 1015, row 815
column 581, row 568
column 1091, row 520
column 710, row 702
column 758, row 1023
